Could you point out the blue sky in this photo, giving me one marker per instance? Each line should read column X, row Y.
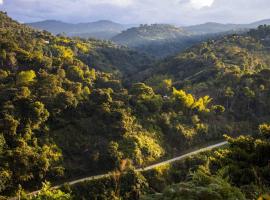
column 181, row 12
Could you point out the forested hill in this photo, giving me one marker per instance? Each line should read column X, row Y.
column 148, row 34
column 161, row 40
column 63, row 116
column 60, row 118
column 101, row 55
column 232, row 69
column 235, row 71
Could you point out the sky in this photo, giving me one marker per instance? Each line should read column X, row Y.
column 180, row 12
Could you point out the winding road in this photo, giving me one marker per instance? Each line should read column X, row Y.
column 182, row 157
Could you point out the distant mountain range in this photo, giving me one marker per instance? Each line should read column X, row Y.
column 212, row 27
column 148, row 34
column 162, row 40
column 103, row 29
column 159, row 40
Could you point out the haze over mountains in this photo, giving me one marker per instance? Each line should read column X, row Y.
column 158, row 40
column 148, row 33
column 212, row 27
column 103, row 29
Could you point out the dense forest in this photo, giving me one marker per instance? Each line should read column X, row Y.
column 233, row 70
column 72, row 107
column 239, row 171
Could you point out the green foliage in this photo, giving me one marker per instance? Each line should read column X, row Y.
column 145, row 148
column 161, row 84
column 47, row 193
column 218, row 109
column 133, row 185
column 202, row 186
column 141, row 90
column 238, row 171
column 265, row 130
column 38, row 113
column 245, row 163
column 185, row 100
column 74, row 73
column 61, row 119
column 233, row 70
column 3, row 74
column 26, row 77
column 188, row 102
column 63, row 52
column 129, row 185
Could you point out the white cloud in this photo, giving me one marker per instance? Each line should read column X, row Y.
column 1, row 2
column 198, row 4
column 182, row 12
column 117, row 2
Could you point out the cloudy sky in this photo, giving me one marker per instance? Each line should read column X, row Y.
column 181, row 12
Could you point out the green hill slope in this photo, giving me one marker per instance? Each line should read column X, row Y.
column 159, row 40
column 60, row 118
column 236, row 65
column 149, row 33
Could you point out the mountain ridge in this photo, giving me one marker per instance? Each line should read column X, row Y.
column 148, row 33
column 101, row 29
column 204, row 28
column 214, row 27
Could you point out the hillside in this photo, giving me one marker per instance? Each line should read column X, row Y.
column 104, row 55
column 149, row 33
column 235, row 65
column 161, row 40
column 158, row 40
column 238, row 171
column 234, row 70
column 110, row 57
column 60, row 118
column 103, row 29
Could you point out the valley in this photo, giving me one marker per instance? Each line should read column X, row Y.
column 73, row 106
